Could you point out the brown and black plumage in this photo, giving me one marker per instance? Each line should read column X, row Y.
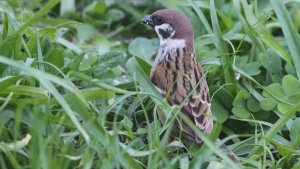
column 176, row 72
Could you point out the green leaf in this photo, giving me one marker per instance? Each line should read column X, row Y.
column 109, row 60
column 290, row 69
column 95, row 8
column 84, row 66
column 294, row 99
column 144, row 65
column 239, row 109
column 275, row 89
column 102, row 43
column 251, row 68
column 142, row 131
column 85, row 32
column 290, row 85
column 114, row 15
column 283, row 108
column 252, row 104
column 7, row 81
column 87, row 62
column 5, row 116
column 49, row 32
column 270, row 61
column 297, row 165
column 219, row 111
column 241, row 96
column 295, row 133
column 268, row 104
column 184, row 162
column 142, row 47
column 56, row 57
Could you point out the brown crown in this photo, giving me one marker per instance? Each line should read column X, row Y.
column 178, row 21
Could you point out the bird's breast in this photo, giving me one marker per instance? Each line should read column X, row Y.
column 168, row 70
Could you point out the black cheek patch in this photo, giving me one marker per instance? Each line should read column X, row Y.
column 163, row 33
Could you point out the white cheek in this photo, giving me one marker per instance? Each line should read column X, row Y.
column 166, row 27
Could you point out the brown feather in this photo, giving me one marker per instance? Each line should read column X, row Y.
column 178, row 75
column 188, row 75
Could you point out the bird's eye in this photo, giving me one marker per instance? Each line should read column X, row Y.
column 159, row 20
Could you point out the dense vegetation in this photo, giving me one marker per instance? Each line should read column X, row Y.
column 75, row 89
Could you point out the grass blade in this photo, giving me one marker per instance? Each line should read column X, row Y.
column 46, row 79
column 290, row 34
column 221, row 47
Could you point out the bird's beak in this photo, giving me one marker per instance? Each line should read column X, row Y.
column 147, row 20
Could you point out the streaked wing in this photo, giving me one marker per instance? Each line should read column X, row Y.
column 200, row 103
column 197, row 107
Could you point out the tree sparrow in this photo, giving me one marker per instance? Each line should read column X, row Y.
column 176, row 72
column 178, row 76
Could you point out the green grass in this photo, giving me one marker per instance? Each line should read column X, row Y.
column 75, row 89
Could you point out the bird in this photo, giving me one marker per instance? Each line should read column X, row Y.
column 177, row 74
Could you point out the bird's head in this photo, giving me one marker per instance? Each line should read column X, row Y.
column 170, row 24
